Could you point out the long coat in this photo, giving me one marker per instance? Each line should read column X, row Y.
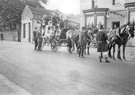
column 39, row 37
column 101, row 38
column 35, row 35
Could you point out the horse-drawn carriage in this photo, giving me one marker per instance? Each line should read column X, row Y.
column 62, row 40
column 57, row 39
column 54, row 35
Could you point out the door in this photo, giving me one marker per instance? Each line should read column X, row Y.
column 115, row 24
column 29, row 31
column 24, row 30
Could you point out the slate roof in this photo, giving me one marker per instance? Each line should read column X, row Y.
column 40, row 10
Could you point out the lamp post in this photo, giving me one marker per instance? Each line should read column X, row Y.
column 108, row 14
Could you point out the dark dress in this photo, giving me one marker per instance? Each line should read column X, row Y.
column 101, row 38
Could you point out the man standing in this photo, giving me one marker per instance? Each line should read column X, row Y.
column 81, row 42
column 102, row 45
column 2, row 36
column 39, row 39
column 35, row 34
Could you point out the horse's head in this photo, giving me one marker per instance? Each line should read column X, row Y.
column 131, row 29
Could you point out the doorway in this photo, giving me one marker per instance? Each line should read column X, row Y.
column 29, row 32
column 115, row 24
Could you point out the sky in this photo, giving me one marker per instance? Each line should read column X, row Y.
column 65, row 6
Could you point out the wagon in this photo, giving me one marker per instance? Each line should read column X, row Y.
column 61, row 40
column 48, row 35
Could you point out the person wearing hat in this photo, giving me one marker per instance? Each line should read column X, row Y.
column 35, row 34
column 39, row 39
column 102, row 45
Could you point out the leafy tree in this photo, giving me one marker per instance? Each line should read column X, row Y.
column 11, row 10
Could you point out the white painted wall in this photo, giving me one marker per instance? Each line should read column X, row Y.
column 114, row 18
column 129, row 1
column 108, row 4
column 26, row 18
column 26, row 21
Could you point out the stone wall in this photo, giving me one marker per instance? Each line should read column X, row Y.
column 10, row 35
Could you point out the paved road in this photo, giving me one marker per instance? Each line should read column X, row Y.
column 62, row 73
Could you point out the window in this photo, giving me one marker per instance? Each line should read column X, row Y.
column 115, row 2
column 100, row 21
column 132, row 16
column 115, row 24
column 90, row 21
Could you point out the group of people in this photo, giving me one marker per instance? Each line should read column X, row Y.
column 102, row 43
column 37, row 38
column 101, row 40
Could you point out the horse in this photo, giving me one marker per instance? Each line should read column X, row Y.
column 90, row 38
column 71, row 36
column 125, row 35
column 82, row 42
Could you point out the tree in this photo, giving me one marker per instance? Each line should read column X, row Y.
column 11, row 10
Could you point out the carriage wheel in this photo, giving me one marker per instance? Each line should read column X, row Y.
column 54, row 45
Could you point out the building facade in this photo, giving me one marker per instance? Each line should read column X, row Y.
column 30, row 19
column 109, row 13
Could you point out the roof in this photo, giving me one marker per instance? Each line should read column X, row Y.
column 131, row 4
column 73, row 21
column 95, row 9
column 40, row 10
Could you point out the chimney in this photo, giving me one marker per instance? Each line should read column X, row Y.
column 92, row 4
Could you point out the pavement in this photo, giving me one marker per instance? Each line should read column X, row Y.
column 24, row 71
column 7, row 87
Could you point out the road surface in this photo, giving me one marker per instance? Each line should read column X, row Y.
column 61, row 73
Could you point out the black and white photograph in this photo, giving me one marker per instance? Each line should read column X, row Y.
column 67, row 47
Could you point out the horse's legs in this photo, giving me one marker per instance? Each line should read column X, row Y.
column 109, row 52
column 79, row 51
column 82, row 51
column 73, row 45
column 124, row 46
column 118, row 56
column 88, row 48
column 114, row 51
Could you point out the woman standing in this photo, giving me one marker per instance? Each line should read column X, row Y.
column 102, row 45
